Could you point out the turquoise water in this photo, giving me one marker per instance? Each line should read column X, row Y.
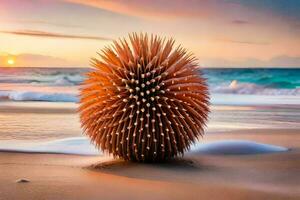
column 269, row 78
column 272, row 78
column 61, row 84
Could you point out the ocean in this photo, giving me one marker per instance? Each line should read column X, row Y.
column 39, row 104
column 61, row 84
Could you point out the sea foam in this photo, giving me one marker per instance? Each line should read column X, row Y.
column 38, row 96
column 236, row 87
column 83, row 146
column 216, row 99
column 235, row 147
column 74, row 145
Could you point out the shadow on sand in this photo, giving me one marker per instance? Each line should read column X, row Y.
column 178, row 168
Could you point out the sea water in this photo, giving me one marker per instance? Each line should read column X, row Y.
column 38, row 105
column 227, row 86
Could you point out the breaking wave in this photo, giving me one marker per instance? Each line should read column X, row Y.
column 43, row 76
column 61, row 84
column 38, row 96
column 248, row 88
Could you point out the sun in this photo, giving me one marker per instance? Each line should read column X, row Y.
column 10, row 61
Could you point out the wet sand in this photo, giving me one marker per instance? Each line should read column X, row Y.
column 195, row 176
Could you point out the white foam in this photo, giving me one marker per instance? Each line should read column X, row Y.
column 63, row 81
column 235, row 147
column 248, row 88
column 38, row 96
column 82, row 146
column 250, row 99
column 75, row 145
column 216, row 99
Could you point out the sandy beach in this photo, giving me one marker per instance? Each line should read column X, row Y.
column 53, row 176
column 195, row 176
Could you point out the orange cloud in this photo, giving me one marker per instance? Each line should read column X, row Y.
column 35, row 33
column 42, row 22
column 155, row 8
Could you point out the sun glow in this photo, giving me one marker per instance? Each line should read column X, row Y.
column 10, row 61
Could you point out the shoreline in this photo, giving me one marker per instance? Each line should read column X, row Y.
column 229, row 177
column 217, row 99
column 212, row 141
column 61, row 176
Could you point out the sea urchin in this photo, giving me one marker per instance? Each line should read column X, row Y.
column 144, row 100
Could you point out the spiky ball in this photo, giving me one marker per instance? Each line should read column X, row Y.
column 144, row 100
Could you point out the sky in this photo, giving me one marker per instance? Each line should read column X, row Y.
column 221, row 33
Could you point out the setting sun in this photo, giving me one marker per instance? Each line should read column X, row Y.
column 10, row 61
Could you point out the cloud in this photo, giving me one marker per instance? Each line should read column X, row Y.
column 268, row 13
column 35, row 60
column 154, row 9
column 43, row 22
column 282, row 61
column 243, row 42
column 35, row 33
column 240, row 22
column 285, row 8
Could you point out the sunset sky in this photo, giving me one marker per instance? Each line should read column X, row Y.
column 221, row 33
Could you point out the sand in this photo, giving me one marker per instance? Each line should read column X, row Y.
column 195, row 176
